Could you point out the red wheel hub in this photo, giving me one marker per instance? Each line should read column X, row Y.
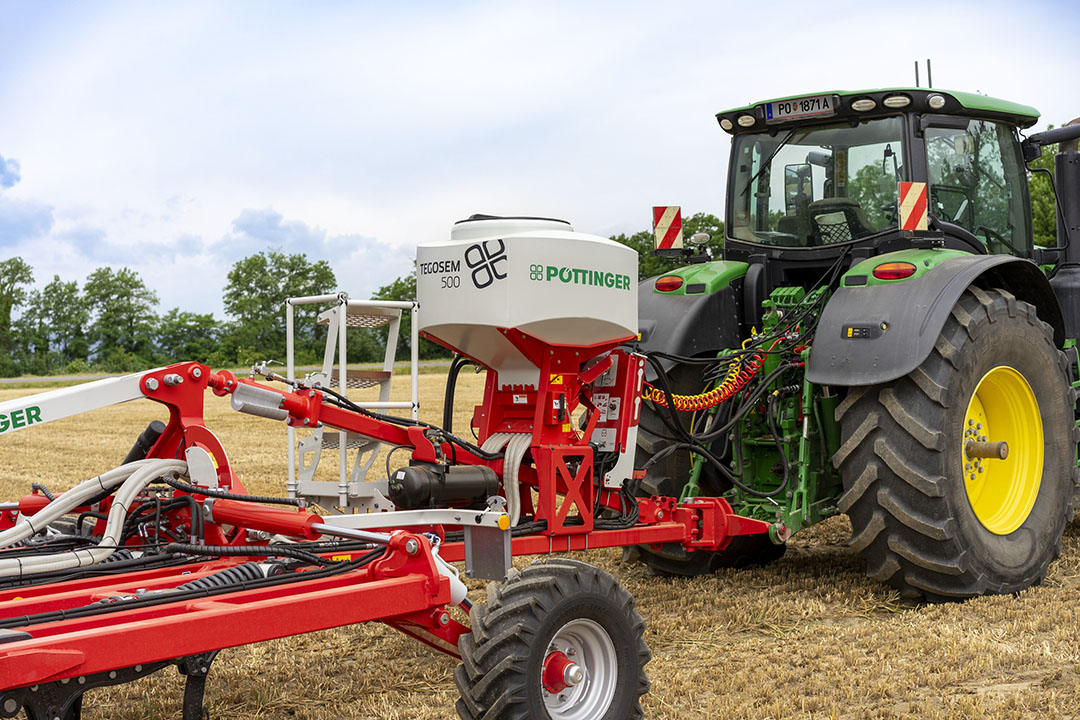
column 560, row 672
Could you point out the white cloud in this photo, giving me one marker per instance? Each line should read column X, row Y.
column 154, row 135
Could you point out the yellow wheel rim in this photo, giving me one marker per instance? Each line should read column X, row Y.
column 1003, row 491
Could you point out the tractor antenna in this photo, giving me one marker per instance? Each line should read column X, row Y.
column 916, row 73
column 929, row 77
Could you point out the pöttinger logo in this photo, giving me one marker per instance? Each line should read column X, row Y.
column 536, row 272
column 484, row 261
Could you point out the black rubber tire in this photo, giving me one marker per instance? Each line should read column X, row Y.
column 901, row 460
column 667, row 478
column 502, row 658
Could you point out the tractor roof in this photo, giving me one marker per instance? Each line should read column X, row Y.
column 956, row 103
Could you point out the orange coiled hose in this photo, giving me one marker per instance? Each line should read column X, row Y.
column 737, row 378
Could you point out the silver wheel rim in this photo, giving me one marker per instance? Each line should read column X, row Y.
column 588, row 645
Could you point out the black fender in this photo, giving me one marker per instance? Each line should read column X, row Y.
column 876, row 333
column 689, row 325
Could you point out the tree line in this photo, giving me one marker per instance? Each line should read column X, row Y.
column 112, row 324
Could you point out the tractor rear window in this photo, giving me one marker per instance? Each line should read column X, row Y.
column 817, row 186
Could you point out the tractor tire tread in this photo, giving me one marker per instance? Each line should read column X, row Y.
column 890, row 458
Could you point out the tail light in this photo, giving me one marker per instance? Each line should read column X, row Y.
column 894, row 271
column 669, row 283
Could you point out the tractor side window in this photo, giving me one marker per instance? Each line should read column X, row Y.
column 977, row 182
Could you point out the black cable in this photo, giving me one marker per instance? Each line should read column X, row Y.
column 43, row 490
column 277, row 550
column 172, row 479
column 79, row 520
column 104, row 568
column 347, row 404
column 186, row 595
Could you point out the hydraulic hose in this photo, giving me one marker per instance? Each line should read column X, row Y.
column 172, row 480
column 456, row 364
column 132, row 478
column 248, row 551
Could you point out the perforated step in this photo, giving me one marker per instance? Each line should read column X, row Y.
column 331, row 440
column 357, row 379
column 366, row 317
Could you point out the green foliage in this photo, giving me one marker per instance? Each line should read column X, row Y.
column 1043, row 206
column 404, row 288
column 14, row 274
column 643, row 242
column 255, row 297
column 182, row 336
column 123, row 311
column 875, row 192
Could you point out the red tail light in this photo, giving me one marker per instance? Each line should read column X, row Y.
column 669, row 283
column 894, row 271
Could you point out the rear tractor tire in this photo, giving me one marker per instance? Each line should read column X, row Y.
column 559, row 640
column 935, row 509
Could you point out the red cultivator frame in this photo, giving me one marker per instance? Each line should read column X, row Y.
column 169, row 560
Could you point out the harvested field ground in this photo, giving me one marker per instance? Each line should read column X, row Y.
column 807, row 637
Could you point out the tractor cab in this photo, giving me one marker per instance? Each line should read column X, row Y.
column 812, row 176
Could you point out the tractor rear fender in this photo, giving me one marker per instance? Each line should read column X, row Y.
column 877, row 332
column 692, row 324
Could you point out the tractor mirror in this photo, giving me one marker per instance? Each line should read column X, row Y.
column 963, row 144
column 700, row 238
column 798, row 186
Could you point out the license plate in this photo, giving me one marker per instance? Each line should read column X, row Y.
column 784, row 110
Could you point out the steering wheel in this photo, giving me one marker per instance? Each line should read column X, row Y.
column 997, row 237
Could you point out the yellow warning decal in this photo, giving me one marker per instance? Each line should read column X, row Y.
column 555, row 379
column 567, row 427
column 341, row 558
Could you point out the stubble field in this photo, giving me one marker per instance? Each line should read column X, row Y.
column 806, row 637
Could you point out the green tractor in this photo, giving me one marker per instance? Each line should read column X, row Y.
column 881, row 338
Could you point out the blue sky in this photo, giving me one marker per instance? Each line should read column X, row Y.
column 175, row 138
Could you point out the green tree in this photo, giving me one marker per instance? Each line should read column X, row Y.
column 643, row 242
column 1043, row 206
column 121, row 334
column 14, row 274
column 404, row 289
column 52, row 328
column 255, row 297
column 875, row 192
column 181, row 336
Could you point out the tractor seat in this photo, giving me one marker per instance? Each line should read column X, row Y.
column 838, row 220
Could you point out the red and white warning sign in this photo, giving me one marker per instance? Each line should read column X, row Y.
column 667, row 227
column 912, row 206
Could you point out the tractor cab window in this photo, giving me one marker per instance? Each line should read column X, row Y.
column 977, row 181
column 817, row 186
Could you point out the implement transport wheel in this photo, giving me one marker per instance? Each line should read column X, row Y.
column 558, row 640
column 959, row 477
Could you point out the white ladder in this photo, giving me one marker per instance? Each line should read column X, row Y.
column 351, row 493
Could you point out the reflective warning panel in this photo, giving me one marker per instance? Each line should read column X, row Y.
column 667, row 226
column 912, row 206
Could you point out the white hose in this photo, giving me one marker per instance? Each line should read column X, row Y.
column 517, row 444
column 494, row 444
column 134, row 478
